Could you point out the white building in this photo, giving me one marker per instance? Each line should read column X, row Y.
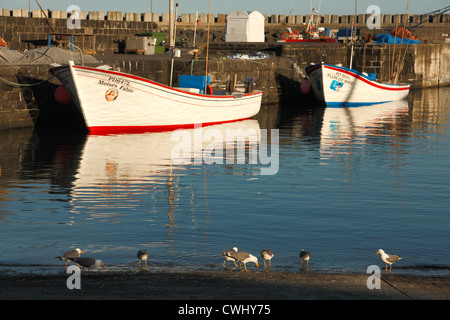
column 245, row 26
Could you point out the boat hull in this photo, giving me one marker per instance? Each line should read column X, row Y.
column 115, row 102
column 337, row 86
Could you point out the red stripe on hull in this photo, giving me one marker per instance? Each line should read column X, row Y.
column 367, row 81
column 126, row 75
column 107, row 130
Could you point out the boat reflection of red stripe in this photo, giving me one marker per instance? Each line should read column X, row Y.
column 106, row 130
column 391, row 87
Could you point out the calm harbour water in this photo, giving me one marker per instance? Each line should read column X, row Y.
column 348, row 182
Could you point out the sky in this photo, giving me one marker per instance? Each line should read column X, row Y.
column 298, row 7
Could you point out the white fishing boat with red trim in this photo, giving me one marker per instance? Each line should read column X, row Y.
column 337, row 86
column 117, row 102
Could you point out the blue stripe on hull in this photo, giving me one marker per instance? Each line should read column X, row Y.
column 352, row 104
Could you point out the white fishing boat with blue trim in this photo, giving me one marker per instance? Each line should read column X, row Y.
column 340, row 86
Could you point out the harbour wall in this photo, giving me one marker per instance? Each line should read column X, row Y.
column 221, row 18
column 27, row 91
column 106, row 33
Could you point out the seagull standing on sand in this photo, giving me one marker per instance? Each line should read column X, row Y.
column 387, row 258
column 243, row 257
column 267, row 254
column 227, row 257
column 305, row 255
column 87, row 262
column 142, row 255
column 70, row 255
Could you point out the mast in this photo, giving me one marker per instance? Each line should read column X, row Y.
column 207, row 48
column 171, row 25
column 175, row 25
column 173, row 41
column 151, row 14
column 318, row 16
column 353, row 33
column 400, row 60
column 195, row 27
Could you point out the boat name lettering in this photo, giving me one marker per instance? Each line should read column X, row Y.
column 115, row 85
column 105, row 83
column 120, row 81
column 127, row 89
column 342, row 77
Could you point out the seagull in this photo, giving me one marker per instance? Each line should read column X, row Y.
column 267, row 254
column 227, row 257
column 70, row 255
column 387, row 258
column 243, row 257
column 88, row 262
column 305, row 255
column 142, row 255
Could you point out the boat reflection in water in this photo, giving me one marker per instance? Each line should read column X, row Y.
column 122, row 166
column 343, row 126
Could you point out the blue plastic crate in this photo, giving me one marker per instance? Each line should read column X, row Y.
column 198, row 82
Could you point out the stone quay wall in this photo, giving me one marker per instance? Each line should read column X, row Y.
column 387, row 19
column 24, row 30
column 32, row 103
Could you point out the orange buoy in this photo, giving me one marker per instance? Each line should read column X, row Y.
column 3, row 43
column 62, row 95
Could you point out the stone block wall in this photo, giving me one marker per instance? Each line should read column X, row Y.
column 32, row 101
column 113, row 27
column 279, row 76
column 387, row 19
column 15, row 111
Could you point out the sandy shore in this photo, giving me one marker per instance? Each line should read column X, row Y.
column 222, row 285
